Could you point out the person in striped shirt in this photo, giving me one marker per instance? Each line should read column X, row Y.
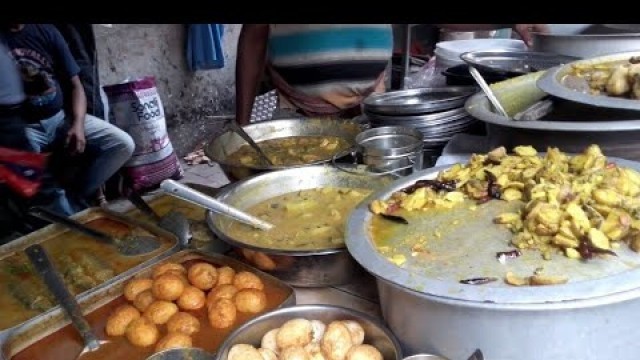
column 323, row 69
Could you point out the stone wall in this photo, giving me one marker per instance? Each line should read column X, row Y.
column 136, row 50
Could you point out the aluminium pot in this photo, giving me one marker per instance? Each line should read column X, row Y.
column 229, row 142
column 308, row 268
column 592, row 317
column 571, row 127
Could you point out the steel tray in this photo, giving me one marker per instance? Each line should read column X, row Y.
column 558, row 82
column 514, row 62
column 34, row 331
column 418, row 101
column 54, row 231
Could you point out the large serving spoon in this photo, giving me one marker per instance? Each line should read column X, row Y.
column 134, row 245
column 184, row 192
column 246, row 137
column 174, row 221
column 487, row 91
column 56, row 285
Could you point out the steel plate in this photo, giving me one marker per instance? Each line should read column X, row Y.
column 514, row 62
column 472, row 245
column 417, row 101
column 559, row 83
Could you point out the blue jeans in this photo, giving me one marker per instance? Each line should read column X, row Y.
column 108, row 146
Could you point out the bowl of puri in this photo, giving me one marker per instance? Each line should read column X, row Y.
column 308, row 207
column 318, row 332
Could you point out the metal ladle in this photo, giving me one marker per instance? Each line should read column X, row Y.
column 134, row 246
column 56, row 285
column 246, row 137
column 184, row 192
column 487, row 90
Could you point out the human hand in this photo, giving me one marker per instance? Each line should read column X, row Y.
column 76, row 140
column 525, row 31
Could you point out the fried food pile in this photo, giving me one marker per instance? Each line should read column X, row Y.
column 622, row 80
column 172, row 295
column 310, row 339
column 581, row 206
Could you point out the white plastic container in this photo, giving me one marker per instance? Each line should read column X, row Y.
column 448, row 52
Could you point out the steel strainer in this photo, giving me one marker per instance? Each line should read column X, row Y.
column 514, row 63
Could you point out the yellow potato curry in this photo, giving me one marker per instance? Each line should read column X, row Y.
column 580, row 206
column 294, row 150
column 310, row 219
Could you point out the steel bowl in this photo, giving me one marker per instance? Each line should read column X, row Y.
column 376, row 333
column 229, row 142
column 300, row 268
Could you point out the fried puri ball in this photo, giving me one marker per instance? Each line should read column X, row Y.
column 314, row 351
column 226, row 291
column 318, row 328
column 222, row 314
column 174, row 341
column 143, row 300
column 269, row 340
column 244, row 352
column 225, row 275
column 160, row 311
column 294, row 353
column 295, row 332
column 363, row 352
column 183, row 322
column 135, row 287
column 203, row 276
column 167, row 287
column 356, row 331
column 192, row 298
column 142, row 332
column 264, row 261
column 121, row 318
column 168, row 267
column 247, row 280
column 336, row 341
column 268, row 354
column 250, row 300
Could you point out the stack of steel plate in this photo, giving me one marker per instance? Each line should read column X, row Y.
column 436, row 112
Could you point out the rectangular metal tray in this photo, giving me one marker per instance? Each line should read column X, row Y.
column 54, row 231
column 34, row 331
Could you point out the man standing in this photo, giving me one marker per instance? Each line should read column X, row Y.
column 47, row 68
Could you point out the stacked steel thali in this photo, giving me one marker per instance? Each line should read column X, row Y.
column 438, row 113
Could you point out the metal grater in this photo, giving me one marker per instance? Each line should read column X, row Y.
column 264, row 106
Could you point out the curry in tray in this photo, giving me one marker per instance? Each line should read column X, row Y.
column 619, row 78
column 580, row 208
column 83, row 262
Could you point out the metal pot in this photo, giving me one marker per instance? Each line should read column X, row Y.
column 376, row 334
column 586, row 40
column 229, row 142
column 594, row 317
column 300, row 268
column 572, row 127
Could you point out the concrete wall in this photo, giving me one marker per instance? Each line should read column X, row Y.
column 135, row 50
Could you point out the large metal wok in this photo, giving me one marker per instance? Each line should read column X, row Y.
column 592, row 317
column 229, row 141
column 301, row 268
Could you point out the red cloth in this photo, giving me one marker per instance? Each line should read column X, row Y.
column 21, row 170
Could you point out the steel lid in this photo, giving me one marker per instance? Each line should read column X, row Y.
column 588, row 281
column 417, row 101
